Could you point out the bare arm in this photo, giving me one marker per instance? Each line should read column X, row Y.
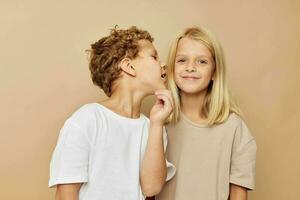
column 67, row 191
column 237, row 192
column 154, row 169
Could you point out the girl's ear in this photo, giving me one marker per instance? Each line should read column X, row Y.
column 213, row 76
column 127, row 67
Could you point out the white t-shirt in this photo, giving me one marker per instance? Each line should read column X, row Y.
column 103, row 150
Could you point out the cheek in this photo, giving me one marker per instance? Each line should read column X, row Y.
column 177, row 71
column 208, row 73
column 150, row 71
column 152, row 75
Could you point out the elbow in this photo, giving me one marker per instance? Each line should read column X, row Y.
column 152, row 185
column 152, row 190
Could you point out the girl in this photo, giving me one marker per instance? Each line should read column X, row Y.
column 209, row 143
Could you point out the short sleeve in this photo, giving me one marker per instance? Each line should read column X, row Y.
column 242, row 169
column 69, row 162
column 171, row 169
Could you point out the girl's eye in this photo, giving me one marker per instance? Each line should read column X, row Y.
column 181, row 60
column 202, row 61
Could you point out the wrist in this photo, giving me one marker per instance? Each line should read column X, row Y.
column 156, row 124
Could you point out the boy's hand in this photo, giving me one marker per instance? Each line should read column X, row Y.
column 162, row 108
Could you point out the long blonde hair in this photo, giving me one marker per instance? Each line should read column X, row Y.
column 218, row 103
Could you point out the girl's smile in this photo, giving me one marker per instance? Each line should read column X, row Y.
column 190, row 77
column 194, row 66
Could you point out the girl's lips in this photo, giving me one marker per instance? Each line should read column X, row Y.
column 190, row 77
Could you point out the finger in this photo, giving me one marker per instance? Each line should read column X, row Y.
column 159, row 101
column 169, row 97
column 166, row 93
column 166, row 100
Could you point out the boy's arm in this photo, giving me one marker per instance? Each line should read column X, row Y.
column 67, row 191
column 154, row 169
column 237, row 192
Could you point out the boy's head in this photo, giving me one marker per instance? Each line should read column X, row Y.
column 129, row 54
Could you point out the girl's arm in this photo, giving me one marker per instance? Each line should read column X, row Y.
column 237, row 192
column 67, row 191
column 154, row 169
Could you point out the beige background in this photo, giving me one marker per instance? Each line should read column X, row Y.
column 44, row 77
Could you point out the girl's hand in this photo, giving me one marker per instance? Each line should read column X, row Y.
column 162, row 108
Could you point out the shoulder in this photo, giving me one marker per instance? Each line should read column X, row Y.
column 86, row 119
column 81, row 124
column 241, row 129
column 234, row 120
column 86, row 116
column 86, row 111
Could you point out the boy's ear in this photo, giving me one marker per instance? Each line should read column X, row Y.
column 126, row 66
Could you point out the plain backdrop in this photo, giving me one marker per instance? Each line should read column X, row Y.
column 44, row 77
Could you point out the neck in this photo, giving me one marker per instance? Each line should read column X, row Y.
column 125, row 101
column 192, row 105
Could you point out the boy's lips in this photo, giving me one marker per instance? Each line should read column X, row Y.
column 163, row 75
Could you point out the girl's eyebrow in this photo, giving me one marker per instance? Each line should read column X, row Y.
column 200, row 55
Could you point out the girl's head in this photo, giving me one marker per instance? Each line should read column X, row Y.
column 126, row 55
column 196, row 67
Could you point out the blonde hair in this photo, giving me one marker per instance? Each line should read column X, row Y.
column 218, row 103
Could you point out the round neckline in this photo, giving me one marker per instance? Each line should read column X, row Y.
column 187, row 120
column 140, row 118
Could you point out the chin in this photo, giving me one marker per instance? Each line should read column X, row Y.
column 160, row 85
column 190, row 90
column 151, row 90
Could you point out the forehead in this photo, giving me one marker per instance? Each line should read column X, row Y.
column 146, row 45
column 187, row 46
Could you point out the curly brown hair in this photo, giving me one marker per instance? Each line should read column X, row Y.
column 106, row 53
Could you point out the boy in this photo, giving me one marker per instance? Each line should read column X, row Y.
column 109, row 150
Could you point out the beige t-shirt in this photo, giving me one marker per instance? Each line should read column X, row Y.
column 209, row 159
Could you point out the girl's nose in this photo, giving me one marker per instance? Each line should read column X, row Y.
column 190, row 68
